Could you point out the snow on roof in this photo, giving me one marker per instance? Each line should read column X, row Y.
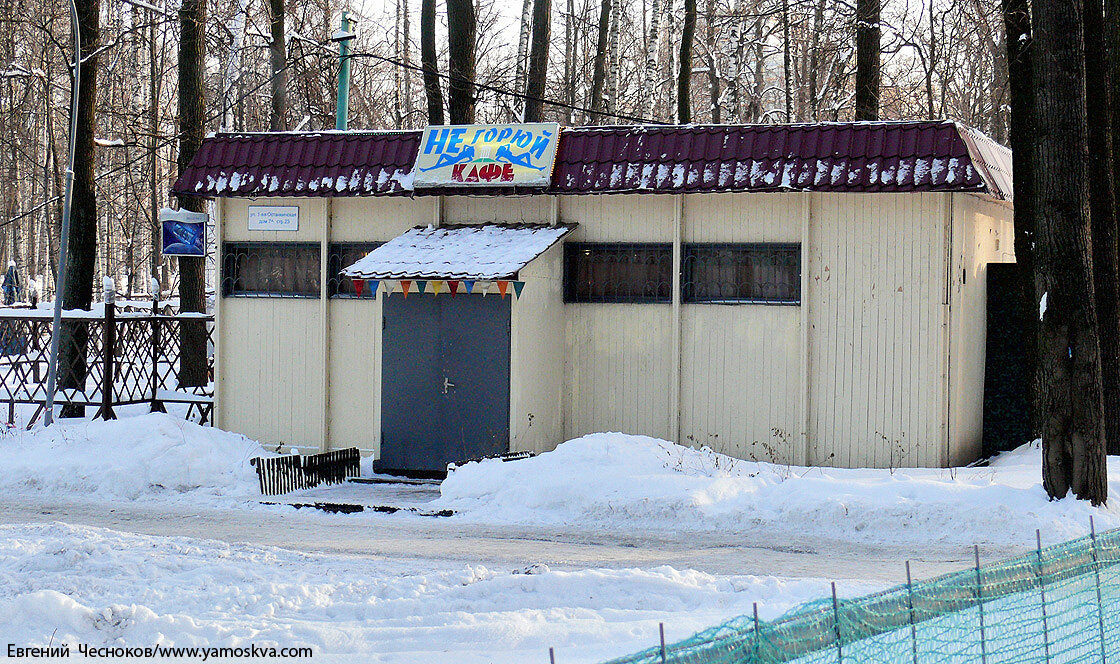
column 490, row 251
column 864, row 157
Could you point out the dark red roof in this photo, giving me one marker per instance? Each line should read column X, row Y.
column 837, row 157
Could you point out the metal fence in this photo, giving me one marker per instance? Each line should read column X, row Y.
column 1059, row 604
column 108, row 359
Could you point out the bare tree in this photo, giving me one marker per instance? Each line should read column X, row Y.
column 684, row 77
column 432, row 88
column 867, row 59
column 538, row 59
column 1073, row 436
column 192, row 120
column 278, row 57
column 461, row 61
column 600, row 67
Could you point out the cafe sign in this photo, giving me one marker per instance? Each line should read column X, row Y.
column 519, row 155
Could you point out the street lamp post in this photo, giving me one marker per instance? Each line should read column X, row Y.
column 64, row 240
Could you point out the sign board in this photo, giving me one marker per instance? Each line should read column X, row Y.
column 273, row 218
column 184, row 232
column 487, row 155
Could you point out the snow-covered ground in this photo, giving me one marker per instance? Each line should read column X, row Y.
column 104, row 588
column 618, row 481
column 567, row 549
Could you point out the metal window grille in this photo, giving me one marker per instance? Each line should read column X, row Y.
column 741, row 273
column 624, row 272
column 270, row 269
column 341, row 256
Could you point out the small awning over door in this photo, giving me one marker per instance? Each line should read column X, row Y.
column 469, row 252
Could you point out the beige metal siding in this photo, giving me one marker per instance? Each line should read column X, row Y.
column 618, row 367
column 983, row 232
column 497, row 210
column 537, row 356
column 271, row 349
column 740, row 364
column 876, row 311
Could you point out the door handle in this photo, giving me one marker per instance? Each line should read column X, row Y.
column 447, row 384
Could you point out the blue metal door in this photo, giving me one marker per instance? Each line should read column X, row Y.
column 445, row 380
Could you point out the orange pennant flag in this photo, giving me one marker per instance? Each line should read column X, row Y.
column 405, row 283
column 503, row 286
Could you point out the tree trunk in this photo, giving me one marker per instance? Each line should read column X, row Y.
column 538, row 59
column 787, row 72
column 652, row 40
column 1068, row 347
column 461, row 60
column 77, row 292
column 1017, row 23
column 713, row 73
column 867, row 59
column 278, row 58
column 599, row 68
column 433, row 91
column 523, row 45
column 1102, row 205
column 192, row 117
column 684, row 74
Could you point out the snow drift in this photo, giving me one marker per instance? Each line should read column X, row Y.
column 612, row 479
column 130, row 458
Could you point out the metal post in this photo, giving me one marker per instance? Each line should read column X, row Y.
column 551, row 656
column 836, row 621
column 1042, row 593
column 910, row 605
column 64, row 239
column 1097, row 573
column 108, row 352
column 157, row 405
column 343, row 38
column 757, row 634
column 980, row 607
column 661, row 628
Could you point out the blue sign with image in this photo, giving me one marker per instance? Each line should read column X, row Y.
column 184, row 232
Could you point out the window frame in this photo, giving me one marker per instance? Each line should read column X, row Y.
column 688, row 265
column 571, row 253
column 334, row 278
column 229, row 278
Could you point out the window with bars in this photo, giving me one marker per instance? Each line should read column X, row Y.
column 631, row 272
column 270, row 269
column 741, row 273
column 340, row 256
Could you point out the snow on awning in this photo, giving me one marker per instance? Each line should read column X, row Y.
column 490, row 251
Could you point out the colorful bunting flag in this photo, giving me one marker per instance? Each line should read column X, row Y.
column 405, row 284
column 468, row 287
column 503, row 286
column 373, row 284
column 437, row 286
column 518, row 286
column 420, row 286
column 453, row 286
column 359, row 285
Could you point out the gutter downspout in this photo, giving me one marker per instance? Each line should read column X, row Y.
column 324, row 314
column 803, row 410
column 675, row 388
column 343, row 37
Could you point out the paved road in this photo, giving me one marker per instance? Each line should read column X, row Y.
column 446, row 540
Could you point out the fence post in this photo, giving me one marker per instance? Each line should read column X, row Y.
column 157, row 405
column 980, row 607
column 757, row 636
column 1097, row 574
column 910, row 605
column 836, row 622
column 108, row 350
column 1042, row 592
column 661, row 629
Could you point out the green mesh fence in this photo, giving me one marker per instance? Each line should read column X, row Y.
column 1060, row 604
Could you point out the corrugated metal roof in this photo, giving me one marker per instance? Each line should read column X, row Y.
column 837, row 157
column 488, row 251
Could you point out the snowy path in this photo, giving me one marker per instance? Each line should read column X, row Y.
column 451, row 540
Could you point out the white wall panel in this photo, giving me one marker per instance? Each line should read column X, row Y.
column 537, row 356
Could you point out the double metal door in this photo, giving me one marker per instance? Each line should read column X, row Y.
column 445, row 380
